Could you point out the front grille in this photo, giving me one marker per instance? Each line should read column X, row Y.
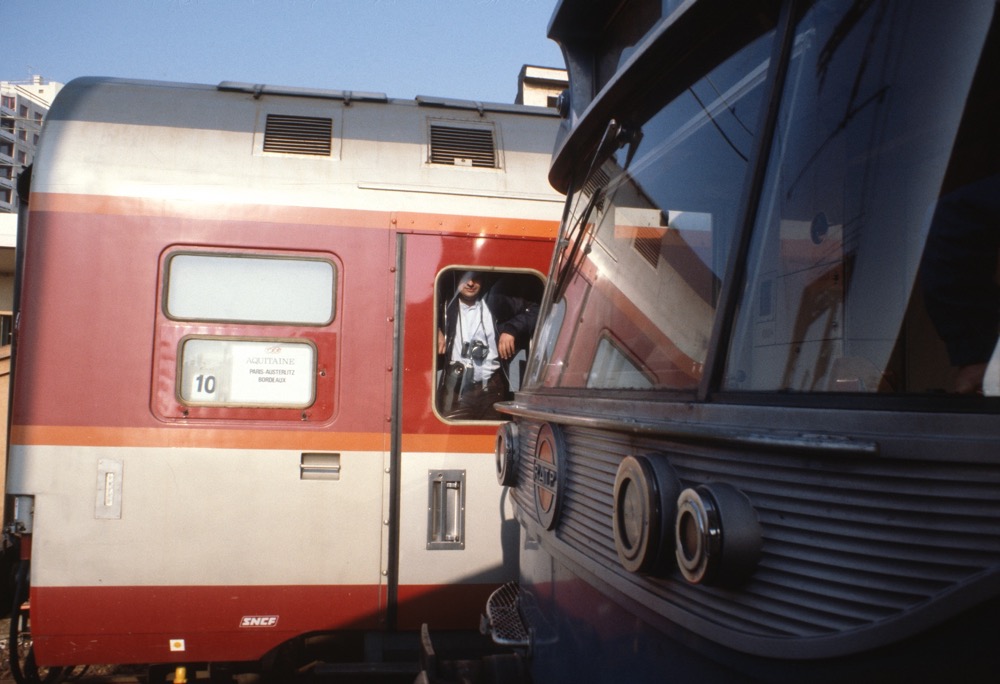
column 849, row 545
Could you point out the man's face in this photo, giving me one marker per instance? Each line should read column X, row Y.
column 470, row 289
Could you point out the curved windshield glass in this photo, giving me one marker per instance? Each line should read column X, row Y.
column 648, row 237
column 874, row 256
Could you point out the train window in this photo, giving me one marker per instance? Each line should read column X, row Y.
column 873, row 263
column 228, row 372
column 613, row 368
column 648, row 237
column 485, row 320
column 252, row 289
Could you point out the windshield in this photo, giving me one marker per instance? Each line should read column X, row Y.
column 872, row 262
column 647, row 239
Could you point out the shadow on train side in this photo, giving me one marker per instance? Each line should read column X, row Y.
column 350, row 653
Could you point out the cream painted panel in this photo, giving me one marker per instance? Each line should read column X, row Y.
column 491, row 532
column 202, row 517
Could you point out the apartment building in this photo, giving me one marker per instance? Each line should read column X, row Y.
column 23, row 105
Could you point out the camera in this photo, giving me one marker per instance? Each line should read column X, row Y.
column 477, row 350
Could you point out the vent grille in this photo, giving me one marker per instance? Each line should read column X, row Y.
column 298, row 135
column 459, row 146
column 647, row 243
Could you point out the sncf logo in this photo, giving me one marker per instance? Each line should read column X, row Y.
column 259, row 621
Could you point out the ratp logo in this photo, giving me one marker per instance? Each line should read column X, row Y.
column 547, row 474
column 259, row 621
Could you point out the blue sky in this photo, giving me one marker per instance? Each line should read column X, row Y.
column 470, row 49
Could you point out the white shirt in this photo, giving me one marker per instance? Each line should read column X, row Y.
column 475, row 322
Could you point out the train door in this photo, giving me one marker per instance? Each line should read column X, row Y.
column 276, row 362
column 457, row 539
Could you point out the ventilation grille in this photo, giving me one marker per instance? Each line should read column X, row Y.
column 597, row 182
column 647, row 243
column 298, row 135
column 456, row 146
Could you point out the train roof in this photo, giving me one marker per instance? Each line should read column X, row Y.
column 242, row 142
column 82, row 84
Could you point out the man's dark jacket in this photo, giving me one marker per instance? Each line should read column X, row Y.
column 511, row 315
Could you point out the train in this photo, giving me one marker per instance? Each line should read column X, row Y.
column 226, row 427
column 759, row 433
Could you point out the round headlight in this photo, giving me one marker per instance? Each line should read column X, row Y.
column 505, row 453
column 717, row 535
column 645, row 497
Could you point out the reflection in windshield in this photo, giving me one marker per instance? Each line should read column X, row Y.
column 648, row 239
column 861, row 155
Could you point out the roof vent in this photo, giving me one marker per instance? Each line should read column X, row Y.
column 463, row 146
column 298, row 135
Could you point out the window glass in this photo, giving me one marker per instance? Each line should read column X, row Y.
column 485, row 321
column 223, row 287
column 648, row 235
column 874, row 254
column 613, row 368
column 225, row 372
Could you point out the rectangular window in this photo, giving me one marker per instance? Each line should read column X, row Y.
column 250, row 289
column 485, row 320
column 225, row 372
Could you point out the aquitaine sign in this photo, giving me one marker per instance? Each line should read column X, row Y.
column 248, row 372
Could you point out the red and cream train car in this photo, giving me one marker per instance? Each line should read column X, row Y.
column 223, row 428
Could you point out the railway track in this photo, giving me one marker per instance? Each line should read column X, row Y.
column 414, row 664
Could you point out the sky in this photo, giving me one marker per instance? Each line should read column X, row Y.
column 466, row 49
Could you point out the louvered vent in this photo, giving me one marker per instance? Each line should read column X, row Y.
column 598, row 181
column 647, row 243
column 298, row 135
column 457, row 146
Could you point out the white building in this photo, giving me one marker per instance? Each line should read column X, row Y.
column 23, row 105
column 540, row 86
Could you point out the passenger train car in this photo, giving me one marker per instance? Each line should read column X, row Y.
column 224, row 432
column 759, row 436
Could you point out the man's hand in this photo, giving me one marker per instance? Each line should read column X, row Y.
column 506, row 346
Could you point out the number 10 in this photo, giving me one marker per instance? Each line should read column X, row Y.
column 206, row 384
